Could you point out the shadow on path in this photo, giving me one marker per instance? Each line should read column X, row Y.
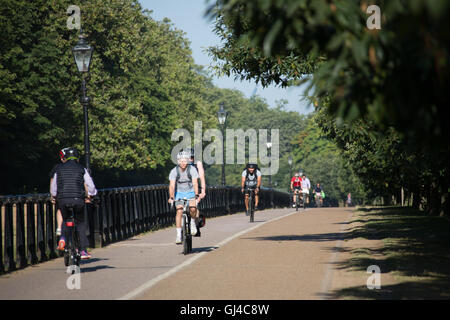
column 416, row 248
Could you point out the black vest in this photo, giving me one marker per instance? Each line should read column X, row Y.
column 70, row 180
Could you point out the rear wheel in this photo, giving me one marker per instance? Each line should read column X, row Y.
column 186, row 235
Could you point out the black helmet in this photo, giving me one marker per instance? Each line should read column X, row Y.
column 69, row 154
column 252, row 165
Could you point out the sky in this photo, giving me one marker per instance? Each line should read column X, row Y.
column 188, row 16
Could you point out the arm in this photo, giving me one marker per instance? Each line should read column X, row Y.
column 201, row 173
column 195, row 185
column 89, row 184
column 171, row 191
column 53, row 188
column 242, row 183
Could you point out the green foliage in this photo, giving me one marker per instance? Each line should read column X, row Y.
column 143, row 84
column 381, row 94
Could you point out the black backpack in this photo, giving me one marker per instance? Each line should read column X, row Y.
column 248, row 173
column 188, row 172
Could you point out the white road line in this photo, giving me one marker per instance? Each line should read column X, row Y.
column 140, row 290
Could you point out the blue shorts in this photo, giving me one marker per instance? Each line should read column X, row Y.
column 183, row 195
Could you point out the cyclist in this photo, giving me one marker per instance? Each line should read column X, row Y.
column 251, row 180
column 183, row 184
column 306, row 185
column 296, row 185
column 58, row 211
column 202, row 188
column 71, row 183
column 318, row 193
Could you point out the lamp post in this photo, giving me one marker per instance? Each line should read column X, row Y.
column 290, row 167
column 222, row 115
column 82, row 53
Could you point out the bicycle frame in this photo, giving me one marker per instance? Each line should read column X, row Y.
column 251, row 198
column 186, row 227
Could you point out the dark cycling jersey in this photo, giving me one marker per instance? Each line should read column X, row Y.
column 317, row 189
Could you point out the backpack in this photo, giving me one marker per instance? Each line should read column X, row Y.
column 248, row 173
column 188, row 173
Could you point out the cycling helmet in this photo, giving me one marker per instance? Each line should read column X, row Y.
column 251, row 165
column 183, row 155
column 69, row 154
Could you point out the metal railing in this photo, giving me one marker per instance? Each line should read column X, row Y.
column 28, row 222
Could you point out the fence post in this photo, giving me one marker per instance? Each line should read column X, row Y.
column 31, row 233
column 20, row 234
column 2, row 267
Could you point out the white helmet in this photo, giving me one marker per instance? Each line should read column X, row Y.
column 183, row 155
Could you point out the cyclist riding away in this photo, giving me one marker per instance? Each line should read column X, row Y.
column 71, row 185
column 318, row 193
column 251, row 180
column 306, row 185
column 183, row 185
column 202, row 188
column 296, row 185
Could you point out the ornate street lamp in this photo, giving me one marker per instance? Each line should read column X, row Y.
column 290, row 166
column 222, row 115
column 82, row 53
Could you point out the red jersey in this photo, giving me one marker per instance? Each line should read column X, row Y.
column 297, row 181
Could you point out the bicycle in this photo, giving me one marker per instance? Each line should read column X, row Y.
column 319, row 200
column 251, row 204
column 304, row 195
column 186, row 236
column 297, row 199
column 72, row 256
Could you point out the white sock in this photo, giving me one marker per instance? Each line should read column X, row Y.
column 179, row 232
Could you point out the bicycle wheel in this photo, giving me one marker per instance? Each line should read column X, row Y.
column 250, row 207
column 297, row 199
column 185, row 235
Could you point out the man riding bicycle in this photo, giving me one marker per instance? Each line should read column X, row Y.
column 71, row 185
column 296, row 186
column 306, row 185
column 318, row 193
column 202, row 188
column 251, row 180
column 184, row 185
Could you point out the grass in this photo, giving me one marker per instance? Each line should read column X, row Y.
column 415, row 250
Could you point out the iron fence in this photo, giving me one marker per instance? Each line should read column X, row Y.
column 28, row 222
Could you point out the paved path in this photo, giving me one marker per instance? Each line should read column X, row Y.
column 282, row 255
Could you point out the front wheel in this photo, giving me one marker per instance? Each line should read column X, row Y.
column 250, row 208
column 186, row 236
